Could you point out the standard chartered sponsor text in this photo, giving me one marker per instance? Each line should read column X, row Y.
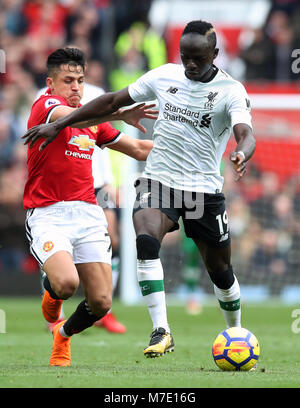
column 175, row 113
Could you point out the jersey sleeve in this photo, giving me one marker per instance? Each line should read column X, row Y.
column 43, row 108
column 238, row 106
column 143, row 89
column 107, row 135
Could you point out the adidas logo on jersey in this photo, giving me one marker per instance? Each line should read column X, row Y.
column 172, row 90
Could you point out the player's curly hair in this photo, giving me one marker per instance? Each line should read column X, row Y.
column 67, row 55
column 203, row 28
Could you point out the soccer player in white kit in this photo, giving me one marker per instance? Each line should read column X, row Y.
column 199, row 106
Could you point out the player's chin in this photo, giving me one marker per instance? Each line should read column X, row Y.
column 74, row 101
column 191, row 74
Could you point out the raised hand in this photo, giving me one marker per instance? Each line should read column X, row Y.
column 46, row 131
column 132, row 116
column 238, row 160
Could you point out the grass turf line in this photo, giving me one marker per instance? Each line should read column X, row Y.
column 104, row 360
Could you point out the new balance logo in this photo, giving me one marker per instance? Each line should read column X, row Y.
column 205, row 120
column 144, row 198
column 172, row 90
column 224, row 237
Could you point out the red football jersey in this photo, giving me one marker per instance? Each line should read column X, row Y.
column 63, row 170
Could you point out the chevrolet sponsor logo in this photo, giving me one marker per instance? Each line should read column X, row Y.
column 83, row 142
column 94, row 129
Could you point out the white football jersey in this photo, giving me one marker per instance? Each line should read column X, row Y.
column 193, row 127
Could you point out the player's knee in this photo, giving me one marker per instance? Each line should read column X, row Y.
column 100, row 304
column 223, row 278
column 66, row 287
column 147, row 247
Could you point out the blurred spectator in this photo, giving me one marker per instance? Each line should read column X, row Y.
column 283, row 212
column 262, row 207
column 95, row 74
column 258, row 55
column 8, row 139
column 13, row 245
column 281, row 34
column 290, row 7
column 128, row 11
column 14, row 22
column 90, row 27
column 266, row 51
column 137, row 50
column 142, row 38
column 130, row 67
column 239, row 215
column 268, row 259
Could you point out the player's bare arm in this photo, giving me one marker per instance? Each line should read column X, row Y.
column 244, row 150
column 138, row 149
column 99, row 107
column 131, row 116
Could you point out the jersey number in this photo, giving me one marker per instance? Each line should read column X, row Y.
column 223, row 222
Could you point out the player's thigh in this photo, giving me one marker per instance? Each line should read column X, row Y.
column 211, row 233
column 96, row 281
column 113, row 228
column 153, row 222
column 153, row 213
column 215, row 258
column 52, row 248
column 62, row 273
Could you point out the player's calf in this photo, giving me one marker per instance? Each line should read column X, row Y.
column 100, row 305
column 227, row 291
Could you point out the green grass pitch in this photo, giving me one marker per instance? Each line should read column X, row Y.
column 101, row 359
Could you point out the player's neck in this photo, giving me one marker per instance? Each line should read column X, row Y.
column 211, row 73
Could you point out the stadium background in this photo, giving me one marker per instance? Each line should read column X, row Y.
column 123, row 39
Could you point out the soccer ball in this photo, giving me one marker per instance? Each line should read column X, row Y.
column 235, row 349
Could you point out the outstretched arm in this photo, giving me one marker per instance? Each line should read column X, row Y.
column 131, row 116
column 244, row 150
column 97, row 108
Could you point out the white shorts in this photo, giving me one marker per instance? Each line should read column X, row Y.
column 77, row 227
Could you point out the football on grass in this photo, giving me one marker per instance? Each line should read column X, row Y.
column 236, row 349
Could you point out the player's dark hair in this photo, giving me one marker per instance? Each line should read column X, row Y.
column 70, row 56
column 203, row 28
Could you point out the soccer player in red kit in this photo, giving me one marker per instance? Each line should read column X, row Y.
column 66, row 228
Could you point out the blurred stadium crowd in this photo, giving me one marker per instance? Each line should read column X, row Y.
column 121, row 45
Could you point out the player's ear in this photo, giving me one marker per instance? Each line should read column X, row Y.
column 49, row 82
column 216, row 52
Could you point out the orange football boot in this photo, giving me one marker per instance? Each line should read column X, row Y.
column 61, row 350
column 51, row 307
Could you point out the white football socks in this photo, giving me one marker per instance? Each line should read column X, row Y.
column 229, row 300
column 150, row 277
